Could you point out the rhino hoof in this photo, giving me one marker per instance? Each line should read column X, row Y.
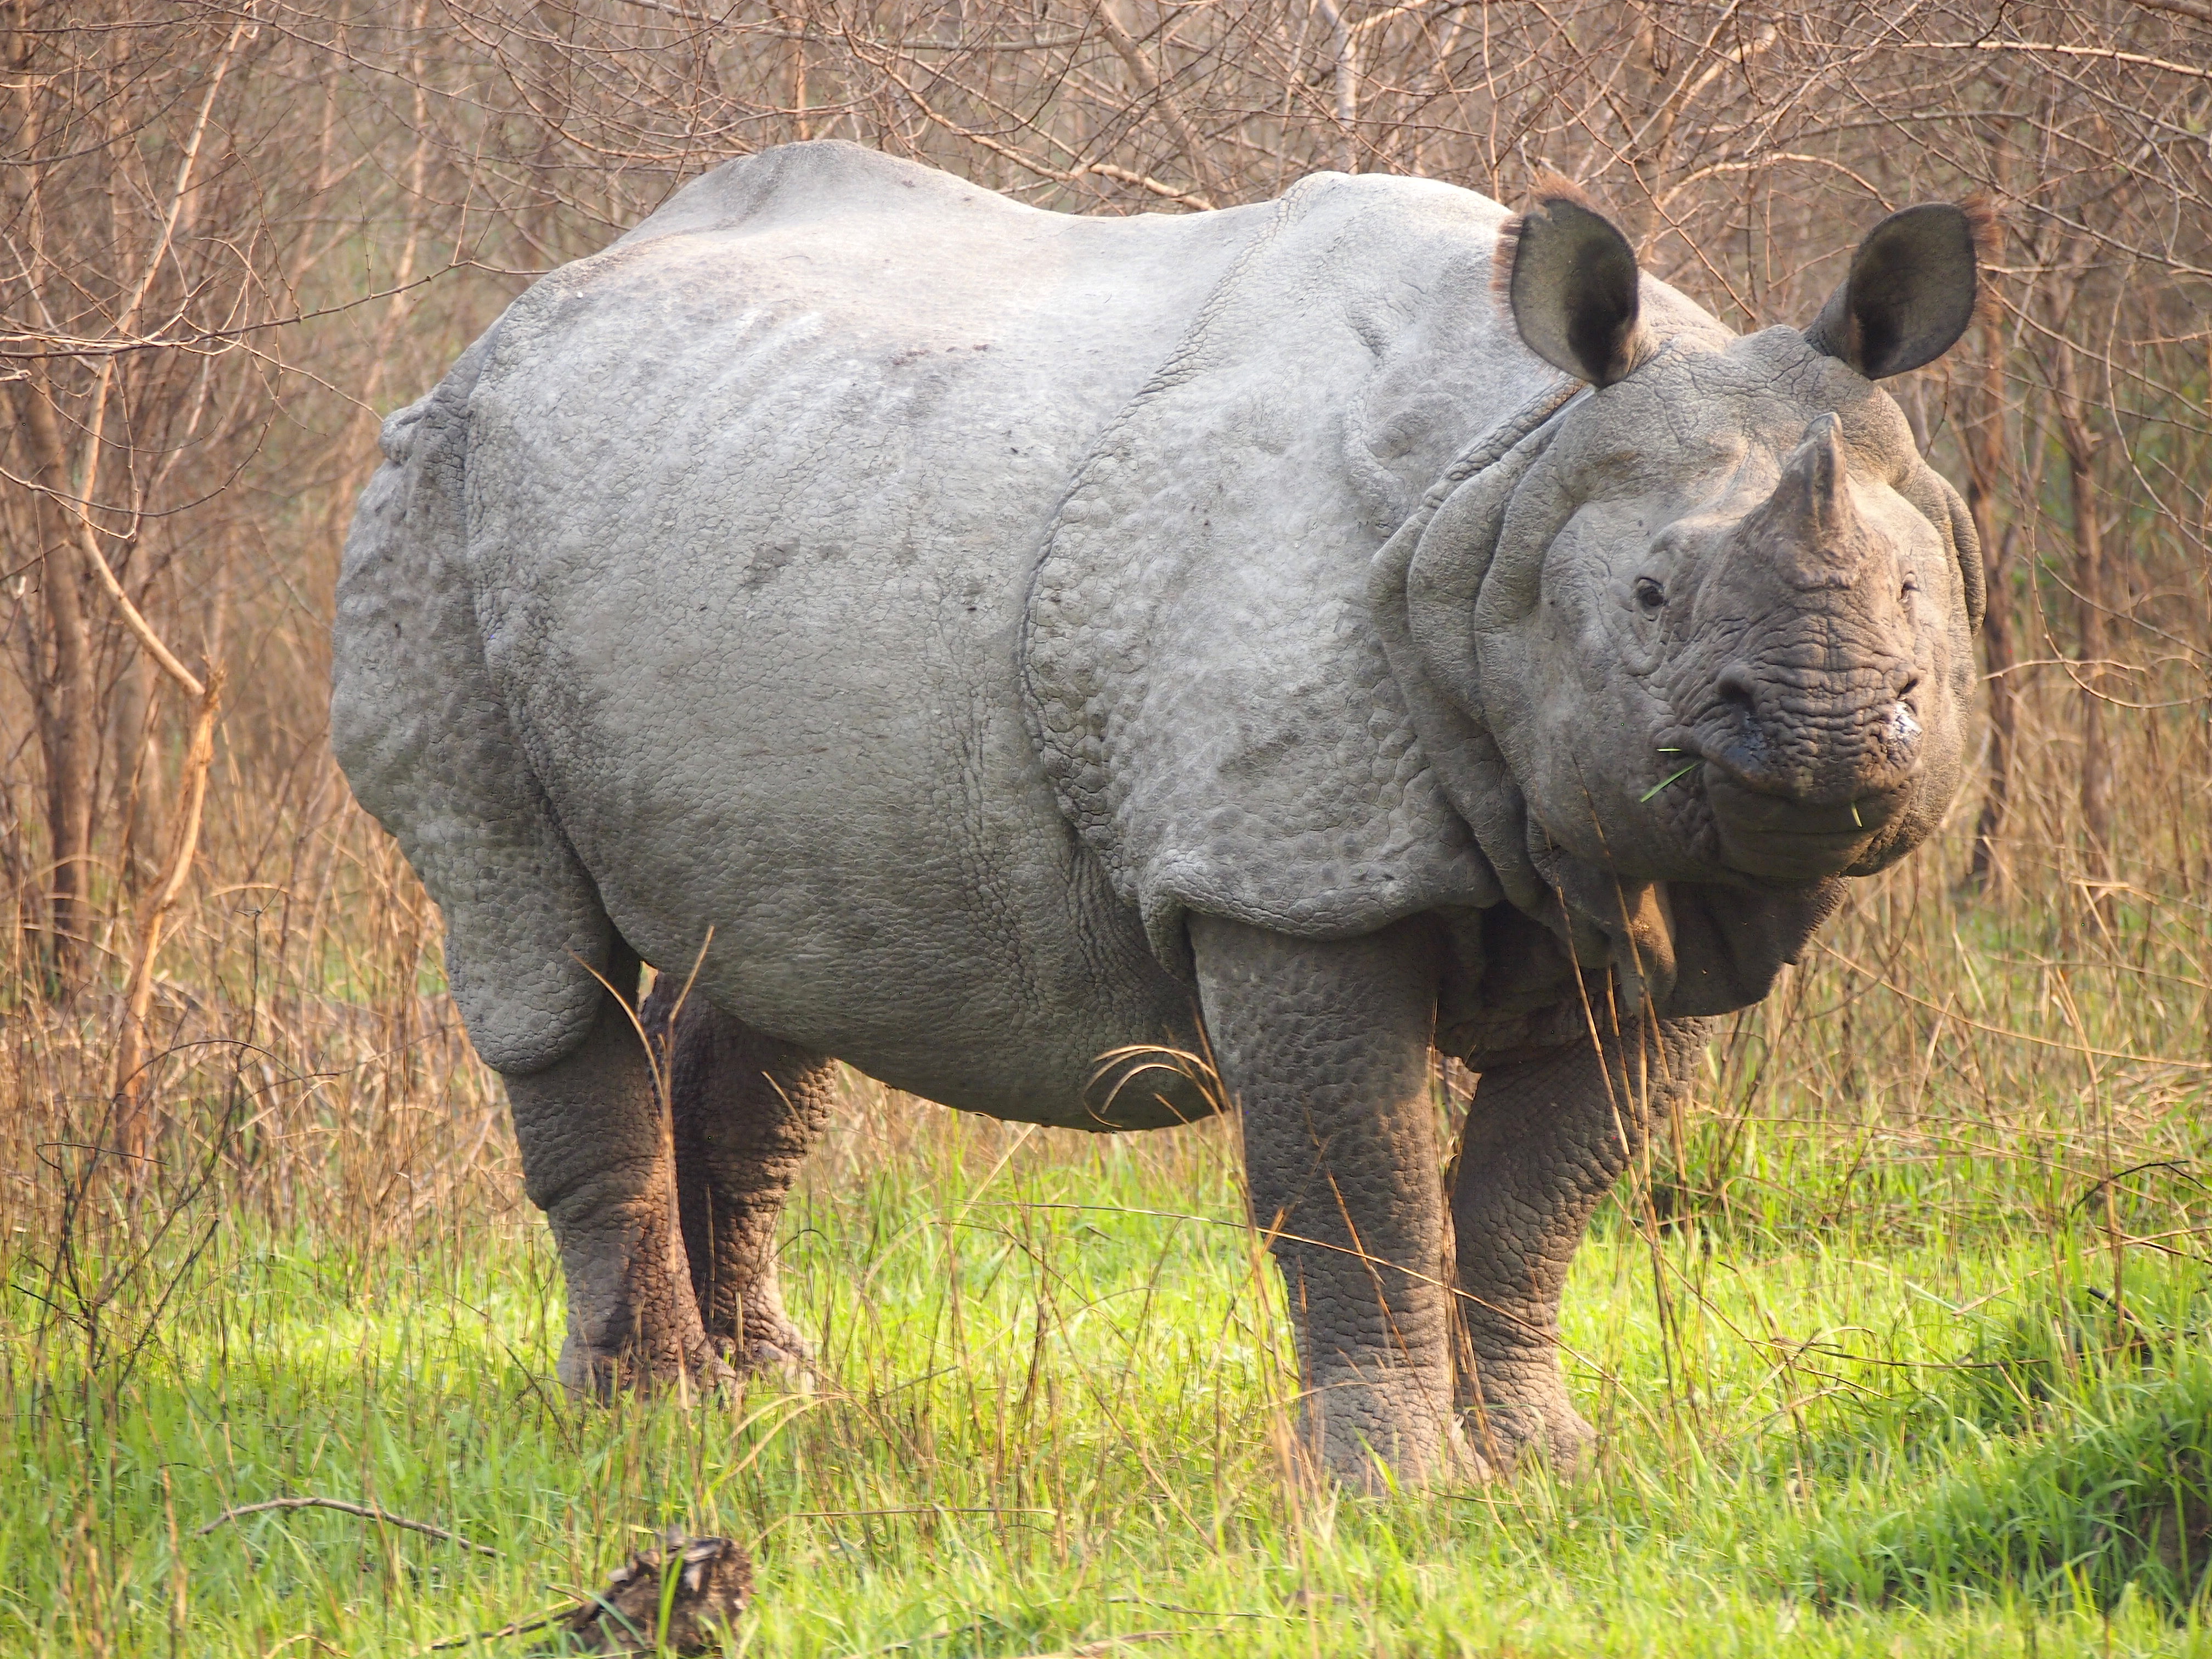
column 1509, row 1439
column 600, row 1377
column 781, row 1358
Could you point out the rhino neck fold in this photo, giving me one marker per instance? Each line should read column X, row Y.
column 1422, row 589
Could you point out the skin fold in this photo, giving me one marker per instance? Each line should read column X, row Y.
column 1005, row 651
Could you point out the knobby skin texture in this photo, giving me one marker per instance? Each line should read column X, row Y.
column 746, row 1110
column 1545, row 1138
column 969, row 641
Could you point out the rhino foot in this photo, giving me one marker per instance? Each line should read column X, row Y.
column 600, row 1373
column 745, row 1109
column 1508, row 1439
column 772, row 1349
column 1546, row 1137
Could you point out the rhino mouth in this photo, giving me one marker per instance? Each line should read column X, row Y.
column 1775, row 838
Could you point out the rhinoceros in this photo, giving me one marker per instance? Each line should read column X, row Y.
column 1006, row 650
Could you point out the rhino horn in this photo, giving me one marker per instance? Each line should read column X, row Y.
column 1811, row 488
column 1809, row 521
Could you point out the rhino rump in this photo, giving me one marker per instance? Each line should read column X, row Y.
column 430, row 751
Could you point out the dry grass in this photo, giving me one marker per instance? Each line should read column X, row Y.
column 1985, row 1088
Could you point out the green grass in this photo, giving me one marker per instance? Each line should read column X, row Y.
column 1056, row 1410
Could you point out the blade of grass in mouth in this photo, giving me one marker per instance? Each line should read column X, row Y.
column 1672, row 779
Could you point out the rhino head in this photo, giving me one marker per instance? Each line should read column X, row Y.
column 1726, row 633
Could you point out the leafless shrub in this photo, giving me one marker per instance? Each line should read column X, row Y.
column 232, row 233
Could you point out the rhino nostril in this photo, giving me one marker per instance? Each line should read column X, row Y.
column 1733, row 687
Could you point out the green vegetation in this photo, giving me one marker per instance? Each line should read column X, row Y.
column 1890, row 1355
column 1056, row 1410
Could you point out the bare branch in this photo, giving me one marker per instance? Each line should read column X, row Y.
column 366, row 1512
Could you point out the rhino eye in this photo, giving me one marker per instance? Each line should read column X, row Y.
column 1650, row 595
column 1911, row 584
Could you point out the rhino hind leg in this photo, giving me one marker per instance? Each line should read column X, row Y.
column 1544, row 1142
column 745, row 1109
column 595, row 1158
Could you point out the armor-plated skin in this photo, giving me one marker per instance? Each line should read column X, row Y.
column 981, row 641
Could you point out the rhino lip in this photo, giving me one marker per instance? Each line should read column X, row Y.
column 1775, row 838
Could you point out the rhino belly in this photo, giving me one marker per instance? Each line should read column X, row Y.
column 864, row 848
column 956, row 944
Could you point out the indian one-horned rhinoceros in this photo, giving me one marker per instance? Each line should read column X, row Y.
column 983, row 640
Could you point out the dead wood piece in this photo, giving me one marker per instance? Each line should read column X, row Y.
column 703, row 1583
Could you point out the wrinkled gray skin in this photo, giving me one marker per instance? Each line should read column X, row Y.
column 982, row 640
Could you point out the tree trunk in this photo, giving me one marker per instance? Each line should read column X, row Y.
column 1985, row 454
column 67, row 731
column 2080, row 446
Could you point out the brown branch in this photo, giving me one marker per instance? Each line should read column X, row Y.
column 366, row 1512
column 522, row 1627
column 45, row 434
column 2109, row 54
column 2194, row 8
column 128, row 1085
column 1143, row 181
column 1193, row 146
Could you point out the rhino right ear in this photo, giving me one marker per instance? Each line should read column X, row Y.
column 1912, row 288
column 1570, row 279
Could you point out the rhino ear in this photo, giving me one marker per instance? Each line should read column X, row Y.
column 1570, row 279
column 1912, row 291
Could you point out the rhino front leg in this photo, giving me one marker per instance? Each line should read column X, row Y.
column 746, row 1110
column 1324, row 1048
column 1544, row 1141
column 596, row 1159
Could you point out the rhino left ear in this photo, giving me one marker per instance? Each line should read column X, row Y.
column 1570, row 279
column 1912, row 291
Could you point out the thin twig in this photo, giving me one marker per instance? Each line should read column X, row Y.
column 521, row 1628
column 2194, row 8
column 366, row 1512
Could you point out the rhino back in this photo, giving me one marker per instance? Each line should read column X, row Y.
column 753, row 502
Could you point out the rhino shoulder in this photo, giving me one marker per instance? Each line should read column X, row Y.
column 1205, row 679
